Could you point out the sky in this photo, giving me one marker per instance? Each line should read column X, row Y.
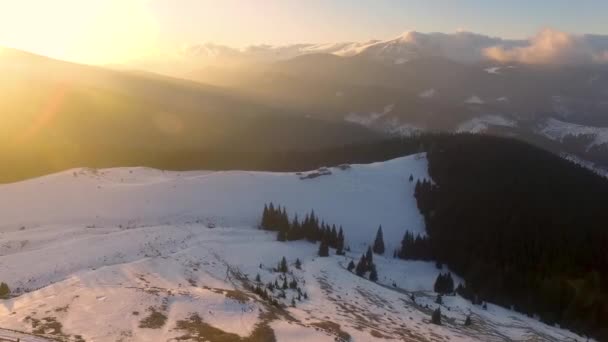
column 114, row 31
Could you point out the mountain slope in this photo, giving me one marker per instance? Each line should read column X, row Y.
column 154, row 255
column 58, row 115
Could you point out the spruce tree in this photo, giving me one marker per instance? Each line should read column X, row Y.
column 340, row 242
column 379, row 242
column 468, row 321
column 295, row 230
column 264, row 224
column 351, row 266
column 281, row 235
column 284, row 287
column 449, row 283
column 298, row 264
column 270, row 221
column 361, row 266
column 436, row 317
column 333, row 237
column 439, row 299
column 373, row 275
column 369, row 258
column 323, row 248
column 439, row 283
column 411, row 177
column 283, row 268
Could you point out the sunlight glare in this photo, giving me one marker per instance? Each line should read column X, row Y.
column 89, row 31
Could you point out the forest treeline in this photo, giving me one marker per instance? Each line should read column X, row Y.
column 524, row 228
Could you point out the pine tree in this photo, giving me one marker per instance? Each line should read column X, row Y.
column 293, row 302
column 373, row 275
column 436, row 317
column 411, row 177
column 258, row 279
column 449, row 283
column 295, row 230
column 284, row 287
column 379, row 242
column 439, row 283
column 284, row 225
column 293, row 284
column 340, row 242
column 333, row 237
column 283, row 268
column 264, row 224
column 444, row 283
column 439, row 299
column 298, row 264
column 361, row 266
column 369, row 258
column 467, row 321
column 270, row 221
column 351, row 266
column 281, row 235
column 323, row 248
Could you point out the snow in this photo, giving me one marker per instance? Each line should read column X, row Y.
column 482, row 123
column 557, row 130
column 502, row 99
column 400, row 61
column 474, row 99
column 586, row 164
column 286, row 331
column 113, row 246
column 493, row 70
column 427, row 94
column 369, row 119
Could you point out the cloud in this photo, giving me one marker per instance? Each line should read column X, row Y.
column 553, row 47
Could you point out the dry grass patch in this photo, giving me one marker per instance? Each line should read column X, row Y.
column 334, row 329
column 155, row 320
column 198, row 330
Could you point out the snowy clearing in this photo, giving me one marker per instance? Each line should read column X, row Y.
column 150, row 255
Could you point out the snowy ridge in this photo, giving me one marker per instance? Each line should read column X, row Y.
column 586, row 164
column 482, row 123
column 140, row 252
column 557, row 130
column 474, row 99
column 369, row 119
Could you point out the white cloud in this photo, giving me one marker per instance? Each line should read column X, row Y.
column 552, row 47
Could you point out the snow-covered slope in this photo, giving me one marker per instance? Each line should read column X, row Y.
column 135, row 254
column 482, row 123
column 359, row 198
column 558, row 130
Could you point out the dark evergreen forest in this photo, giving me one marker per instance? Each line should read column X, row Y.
column 525, row 228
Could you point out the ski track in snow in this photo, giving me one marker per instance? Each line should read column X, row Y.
column 109, row 246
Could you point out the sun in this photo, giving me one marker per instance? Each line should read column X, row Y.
column 87, row 31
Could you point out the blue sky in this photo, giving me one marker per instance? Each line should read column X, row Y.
column 282, row 21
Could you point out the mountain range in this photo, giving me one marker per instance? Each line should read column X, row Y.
column 551, row 90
